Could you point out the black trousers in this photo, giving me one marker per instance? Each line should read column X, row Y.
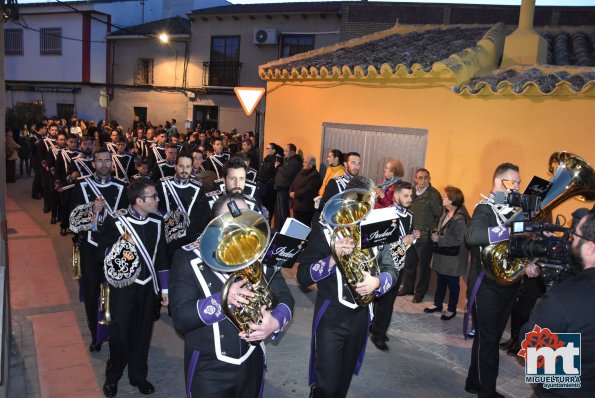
column 531, row 289
column 304, row 217
column 492, row 308
column 282, row 207
column 133, row 309
column 46, row 183
column 417, row 272
column 340, row 338
column 64, row 212
column 36, row 185
column 206, row 376
column 383, row 311
column 91, row 277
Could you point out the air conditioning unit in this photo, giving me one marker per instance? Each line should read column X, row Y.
column 265, row 36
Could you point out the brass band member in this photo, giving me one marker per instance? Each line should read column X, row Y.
column 219, row 361
column 340, row 326
column 134, row 287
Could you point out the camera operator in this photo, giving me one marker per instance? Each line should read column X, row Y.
column 493, row 301
column 565, row 308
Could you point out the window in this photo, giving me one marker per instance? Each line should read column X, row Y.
column 50, row 41
column 144, row 72
column 141, row 112
column 13, row 42
column 295, row 44
column 64, row 111
column 224, row 65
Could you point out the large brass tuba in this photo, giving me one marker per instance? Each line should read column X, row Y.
column 344, row 213
column 235, row 245
column 571, row 176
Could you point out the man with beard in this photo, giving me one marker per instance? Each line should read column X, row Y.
column 45, row 151
column 67, row 156
column 219, row 361
column 52, row 162
column 383, row 307
column 340, row 325
column 112, row 145
column 216, row 161
column 493, row 301
column 82, row 165
column 105, row 195
column 180, row 196
column 166, row 168
column 562, row 309
column 353, row 163
column 234, row 181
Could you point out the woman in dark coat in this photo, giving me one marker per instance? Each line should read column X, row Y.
column 304, row 189
column 449, row 268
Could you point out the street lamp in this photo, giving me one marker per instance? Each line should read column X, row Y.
column 164, row 37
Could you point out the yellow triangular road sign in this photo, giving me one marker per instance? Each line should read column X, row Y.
column 249, row 97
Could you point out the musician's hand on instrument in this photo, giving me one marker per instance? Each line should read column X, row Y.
column 369, row 284
column 261, row 332
column 344, row 246
column 164, row 299
column 408, row 239
column 98, row 204
column 237, row 294
column 532, row 269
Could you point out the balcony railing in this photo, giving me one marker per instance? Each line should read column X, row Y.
column 225, row 74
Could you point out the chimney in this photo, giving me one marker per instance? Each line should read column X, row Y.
column 525, row 45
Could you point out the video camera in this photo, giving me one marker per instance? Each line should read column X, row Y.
column 536, row 239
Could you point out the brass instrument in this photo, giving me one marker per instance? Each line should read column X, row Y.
column 571, row 176
column 105, row 316
column 76, row 262
column 344, row 213
column 235, row 245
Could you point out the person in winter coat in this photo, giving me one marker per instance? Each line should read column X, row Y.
column 303, row 190
column 286, row 172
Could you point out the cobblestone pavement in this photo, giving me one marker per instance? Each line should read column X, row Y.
column 428, row 357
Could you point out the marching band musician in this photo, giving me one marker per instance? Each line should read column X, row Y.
column 216, row 161
column 93, row 197
column 123, row 162
column 53, row 159
column 383, row 307
column 135, row 285
column 218, row 361
column 340, row 326
column 156, row 148
column 82, row 165
column 65, row 159
column 45, row 150
column 353, row 164
column 184, row 196
column 167, row 168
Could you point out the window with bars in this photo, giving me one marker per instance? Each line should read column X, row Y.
column 13, row 41
column 144, row 71
column 296, row 44
column 50, row 41
column 64, row 111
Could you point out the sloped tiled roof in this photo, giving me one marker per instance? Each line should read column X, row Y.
column 523, row 80
column 173, row 26
column 577, row 48
column 426, row 52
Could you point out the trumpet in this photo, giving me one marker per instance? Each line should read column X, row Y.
column 76, row 262
column 105, row 316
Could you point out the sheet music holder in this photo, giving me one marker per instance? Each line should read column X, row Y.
column 287, row 244
column 379, row 228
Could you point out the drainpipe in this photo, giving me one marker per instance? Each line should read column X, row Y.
column 525, row 46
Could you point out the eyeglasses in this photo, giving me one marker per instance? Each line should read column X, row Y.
column 573, row 232
column 154, row 196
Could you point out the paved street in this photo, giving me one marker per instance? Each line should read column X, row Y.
column 428, row 357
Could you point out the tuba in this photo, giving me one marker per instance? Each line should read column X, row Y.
column 344, row 213
column 235, row 245
column 571, row 176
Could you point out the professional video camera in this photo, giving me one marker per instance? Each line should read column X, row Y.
column 549, row 243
